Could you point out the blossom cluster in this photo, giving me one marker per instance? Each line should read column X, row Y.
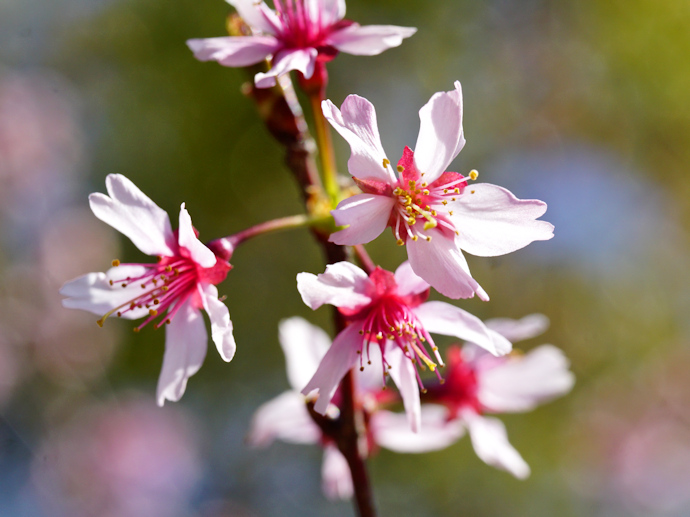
column 386, row 321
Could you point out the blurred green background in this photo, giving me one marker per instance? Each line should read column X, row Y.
column 584, row 104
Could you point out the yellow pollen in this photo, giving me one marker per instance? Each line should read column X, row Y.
column 425, row 192
column 168, row 269
column 165, row 288
column 474, row 174
column 101, row 321
column 444, row 202
column 445, row 191
column 411, row 221
column 412, row 183
column 452, row 199
column 408, row 209
column 110, row 282
column 456, row 190
column 115, row 263
column 428, row 238
column 153, row 312
column 414, row 238
column 136, row 329
column 408, row 200
column 400, row 242
column 472, row 192
column 424, row 184
column 386, row 163
column 433, row 212
column 450, row 212
column 417, row 191
column 400, row 168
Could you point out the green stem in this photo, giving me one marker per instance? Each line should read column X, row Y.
column 325, row 144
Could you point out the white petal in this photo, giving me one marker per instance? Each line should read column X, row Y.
column 187, row 239
column 256, row 14
column 441, row 263
column 342, row 284
column 335, row 364
column 304, row 345
column 302, row 60
column 283, row 418
column 403, row 374
column 392, row 430
column 221, row 325
column 132, row 213
column 234, row 51
column 365, row 215
column 490, row 442
column 446, row 319
column 93, row 293
column 440, row 133
column 408, row 281
column 523, row 382
column 491, row 221
column 356, row 123
column 185, row 350
column 336, row 480
column 518, row 330
column 369, row 40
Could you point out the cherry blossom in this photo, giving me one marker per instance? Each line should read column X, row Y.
column 477, row 383
column 434, row 212
column 170, row 292
column 298, row 35
column 389, row 312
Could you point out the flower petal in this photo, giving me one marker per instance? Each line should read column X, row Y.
column 440, row 133
column 187, row 239
column 491, row 221
column 336, row 479
column 519, row 330
column 392, row 430
column 304, row 345
column 342, row 284
column 256, row 14
column 185, row 350
column 365, row 215
column 490, row 442
column 335, row 364
column 356, row 123
column 523, row 382
column 440, row 262
column 369, row 40
column 302, row 60
column 234, row 51
column 403, row 374
column 283, row 418
column 93, row 293
column 133, row 214
column 221, row 325
column 408, row 281
column 446, row 319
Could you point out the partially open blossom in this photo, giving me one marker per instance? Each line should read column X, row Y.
column 476, row 383
column 170, row 292
column 434, row 212
column 387, row 311
column 298, row 35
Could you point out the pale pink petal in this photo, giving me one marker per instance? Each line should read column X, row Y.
column 369, row 40
column 304, row 345
column 518, row 330
column 370, row 380
column 365, row 215
column 490, row 442
column 335, row 364
column 446, row 319
column 283, row 418
column 356, row 123
column 185, row 350
column 221, row 325
column 336, row 480
column 392, row 430
column 523, row 382
column 256, row 14
column 440, row 133
column 332, row 11
column 440, row 262
column 132, row 213
column 342, row 284
column 491, row 221
column 302, row 60
column 234, row 51
column 187, row 239
column 93, row 293
column 408, row 282
column 403, row 374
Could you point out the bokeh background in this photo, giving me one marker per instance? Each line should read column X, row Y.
column 583, row 104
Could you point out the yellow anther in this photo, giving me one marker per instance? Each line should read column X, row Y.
column 414, row 238
column 425, row 192
column 450, row 212
column 412, row 221
column 408, row 209
column 165, row 288
column 119, row 314
column 168, row 269
column 361, row 368
column 424, row 389
column 400, row 168
column 386, row 163
column 444, row 202
column 361, row 332
column 442, row 381
column 167, row 322
column 412, row 183
column 428, row 238
column 143, row 286
column 445, row 191
column 418, row 191
column 156, row 301
column 136, row 330
column 115, row 263
column 431, row 223
column 124, row 285
column 408, row 200
column 474, row 174
column 453, row 199
column 110, row 282
column 472, row 192
column 433, row 212
column 153, row 312
column 456, row 190
column 424, row 184
column 101, row 321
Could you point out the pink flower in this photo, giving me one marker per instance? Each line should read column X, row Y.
column 476, row 383
column 386, row 311
column 296, row 36
column 433, row 211
column 171, row 291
